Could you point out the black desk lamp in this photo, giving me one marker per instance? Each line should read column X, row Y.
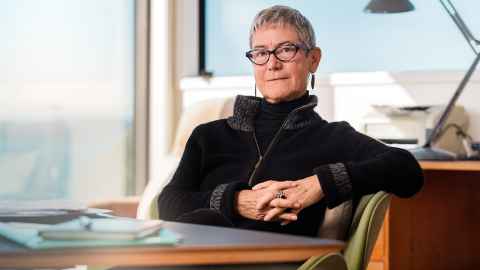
column 427, row 151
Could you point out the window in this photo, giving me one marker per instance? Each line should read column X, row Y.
column 70, row 77
column 351, row 40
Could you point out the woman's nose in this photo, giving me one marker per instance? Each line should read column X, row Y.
column 273, row 63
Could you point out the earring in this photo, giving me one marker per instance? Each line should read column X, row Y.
column 255, row 87
column 312, row 81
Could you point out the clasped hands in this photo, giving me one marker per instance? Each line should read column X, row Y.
column 263, row 203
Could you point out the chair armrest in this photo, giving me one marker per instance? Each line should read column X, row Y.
column 123, row 207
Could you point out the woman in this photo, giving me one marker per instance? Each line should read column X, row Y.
column 275, row 165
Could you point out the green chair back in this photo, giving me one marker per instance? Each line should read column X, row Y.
column 366, row 224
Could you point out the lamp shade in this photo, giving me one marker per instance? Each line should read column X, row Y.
column 389, row 6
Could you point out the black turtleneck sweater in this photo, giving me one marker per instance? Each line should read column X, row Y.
column 221, row 158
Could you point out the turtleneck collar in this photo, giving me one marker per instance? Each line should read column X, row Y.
column 246, row 108
column 283, row 108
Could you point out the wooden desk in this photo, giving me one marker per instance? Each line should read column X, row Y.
column 202, row 245
column 439, row 228
column 462, row 166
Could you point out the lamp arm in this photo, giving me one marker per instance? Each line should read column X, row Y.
column 467, row 34
column 443, row 118
column 451, row 10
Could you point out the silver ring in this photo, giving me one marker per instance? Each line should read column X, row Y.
column 280, row 195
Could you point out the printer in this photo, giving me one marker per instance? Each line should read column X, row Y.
column 410, row 126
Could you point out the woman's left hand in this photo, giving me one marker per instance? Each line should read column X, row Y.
column 307, row 192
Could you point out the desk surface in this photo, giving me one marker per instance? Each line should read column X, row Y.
column 451, row 165
column 201, row 245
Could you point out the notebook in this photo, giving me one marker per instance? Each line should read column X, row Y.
column 84, row 228
column 28, row 235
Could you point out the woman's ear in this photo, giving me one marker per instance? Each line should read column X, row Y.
column 315, row 56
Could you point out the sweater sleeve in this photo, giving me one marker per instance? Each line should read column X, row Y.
column 183, row 193
column 371, row 166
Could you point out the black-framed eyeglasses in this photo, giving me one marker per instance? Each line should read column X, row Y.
column 284, row 53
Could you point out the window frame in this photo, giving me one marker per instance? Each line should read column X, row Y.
column 142, row 94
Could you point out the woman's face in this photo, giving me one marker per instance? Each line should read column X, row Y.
column 282, row 81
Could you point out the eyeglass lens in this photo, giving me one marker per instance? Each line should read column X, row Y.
column 282, row 53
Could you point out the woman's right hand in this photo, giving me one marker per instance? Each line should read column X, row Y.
column 247, row 201
column 308, row 191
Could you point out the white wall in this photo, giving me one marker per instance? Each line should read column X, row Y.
column 161, row 101
column 352, row 98
column 174, row 54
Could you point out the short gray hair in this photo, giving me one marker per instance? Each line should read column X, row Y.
column 283, row 15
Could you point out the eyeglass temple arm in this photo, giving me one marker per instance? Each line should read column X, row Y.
column 467, row 34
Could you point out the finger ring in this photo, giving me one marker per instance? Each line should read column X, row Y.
column 280, row 195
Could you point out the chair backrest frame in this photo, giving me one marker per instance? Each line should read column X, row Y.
column 364, row 230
